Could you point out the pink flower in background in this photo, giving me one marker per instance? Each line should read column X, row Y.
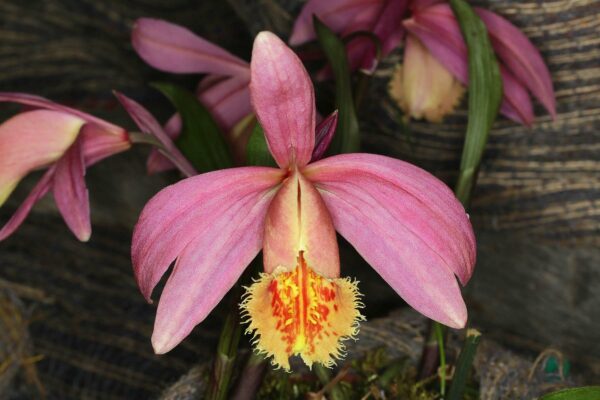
column 63, row 140
column 381, row 17
column 224, row 91
column 432, row 22
column 403, row 221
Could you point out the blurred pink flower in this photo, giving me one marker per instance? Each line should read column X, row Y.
column 403, row 221
column 224, row 91
column 63, row 140
column 433, row 23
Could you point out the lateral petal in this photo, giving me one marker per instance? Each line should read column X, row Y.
column 521, row 57
column 283, row 98
column 173, row 48
column 210, row 264
column 38, row 191
column 182, row 212
column 31, row 140
column 406, row 223
column 70, row 191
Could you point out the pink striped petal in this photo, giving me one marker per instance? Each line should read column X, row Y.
column 516, row 103
column 406, row 223
column 157, row 162
column 284, row 100
column 210, row 265
column 40, row 102
column 70, row 191
column 189, row 209
column 173, row 48
column 38, row 191
column 228, row 100
column 324, row 135
column 521, row 57
column 31, row 140
column 149, row 125
column 338, row 15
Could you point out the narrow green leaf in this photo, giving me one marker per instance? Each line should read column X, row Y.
column 347, row 139
column 463, row 365
column 201, row 140
column 582, row 393
column 485, row 95
column 257, row 150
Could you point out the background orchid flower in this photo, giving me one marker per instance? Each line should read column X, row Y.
column 404, row 222
column 223, row 91
column 381, row 17
column 433, row 23
column 522, row 66
column 63, row 140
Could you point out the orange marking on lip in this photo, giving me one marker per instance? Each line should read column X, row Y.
column 299, row 312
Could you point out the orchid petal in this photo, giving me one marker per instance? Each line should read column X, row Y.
column 521, row 57
column 157, row 162
column 149, row 125
column 228, row 100
column 173, row 48
column 38, row 191
column 31, row 140
column 516, row 103
column 225, row 239
column 98, row 143
column 406, row 224
column 298, row 224
column 325, row 131
column 70, row 191
column 336, row 14
column 284, row 100
column 40, row 102
column 181, row 212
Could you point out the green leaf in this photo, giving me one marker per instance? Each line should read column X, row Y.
column 485, row 95
column 347, row 139
column 582, row 393
column 464, row 365
column 200, row 141
column 257, row 150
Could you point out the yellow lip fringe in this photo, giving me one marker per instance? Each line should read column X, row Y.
column 299, row 312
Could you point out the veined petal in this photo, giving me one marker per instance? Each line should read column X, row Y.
column 284, row 100
column 405, row 223
column 516, row 103
column 38, row 191
column 228, row 100
column 173, row 48
column 70, row 191
column 180, row 213
column 156, row 161
column 324, row 135
column 336, row 14
column 521, row 57
column 98, row 143
column 222, row 246
column 298, row 221
column 31, row 140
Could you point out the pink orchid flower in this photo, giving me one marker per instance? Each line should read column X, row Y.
column 403, row 221
column 433, row 23
column 224, row 91
column 63, row 140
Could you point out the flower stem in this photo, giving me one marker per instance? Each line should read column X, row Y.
column 227, row 348
column 251, row 378
column 330, row 385
column 463, row 365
